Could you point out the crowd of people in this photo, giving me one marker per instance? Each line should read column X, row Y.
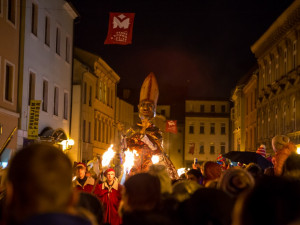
column 40, row 189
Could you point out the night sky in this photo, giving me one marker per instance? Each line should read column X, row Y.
column 196, row 49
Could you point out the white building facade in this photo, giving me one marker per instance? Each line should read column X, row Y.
column 206, row 130
column 46, row 67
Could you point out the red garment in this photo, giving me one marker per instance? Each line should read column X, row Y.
column 110, row 198
column 87, row 186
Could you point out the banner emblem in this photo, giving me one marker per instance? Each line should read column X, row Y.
column 120, row 28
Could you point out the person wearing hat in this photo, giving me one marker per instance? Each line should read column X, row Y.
column 282, row 147
column 110, row 196
column 83, row 182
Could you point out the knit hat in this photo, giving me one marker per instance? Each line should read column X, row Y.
column 109, row 170
column 261, row 150
column 279, row 141
column 80, row 164
column 220, row 158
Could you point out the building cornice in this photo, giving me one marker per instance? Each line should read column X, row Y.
column 284, row 23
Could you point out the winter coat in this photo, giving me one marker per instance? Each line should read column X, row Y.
column 110, row 198
column 87, row 186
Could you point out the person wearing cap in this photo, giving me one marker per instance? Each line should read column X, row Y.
column 83, row 182
column 282, row 147
column 110, row 195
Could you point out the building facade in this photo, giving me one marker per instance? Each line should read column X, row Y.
column 277, row 53
column 46, row 68
column 206, row 130
column 9, row 67
column 94, row 106
column 250, row 93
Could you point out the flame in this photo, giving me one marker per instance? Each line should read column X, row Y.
column 181, row 171
column 129, row 160
column 155, row 159
column 74, row 178
column 107, row 156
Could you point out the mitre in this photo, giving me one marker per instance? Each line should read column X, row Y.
column 149, row 89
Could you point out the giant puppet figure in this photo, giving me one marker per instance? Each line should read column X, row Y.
column 146, row 139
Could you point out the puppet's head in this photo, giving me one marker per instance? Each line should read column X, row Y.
column 148, row 97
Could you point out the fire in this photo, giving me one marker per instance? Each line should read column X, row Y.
column 129, row 160
column 181, row 171
column 107, row 156
column 155, row 159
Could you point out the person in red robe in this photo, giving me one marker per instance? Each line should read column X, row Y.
column 110, row 194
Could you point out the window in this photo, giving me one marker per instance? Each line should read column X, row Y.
column 89, row 133
column 68, row 50
column 191, row 129
column 100, row 91
column 202, row 108
column 47, row 31
column 212, row 128
column 95, row 128
column 84, row 93
column 283, row 117
column 201, row 128
column 1, row 7
column 276, row 67
column 222, row 146
column 66, row 101
column 163, row 112
column 56, row 94
column 57, row 48
column 108, row 96
column 9, row 77
column 45, row 96
column 103, row 129
column 212, row 149
column 285, row 61
column 201, row 149
column 90, row 96
column 11, row 11
column 294, row 54
column 83, row 130
column 31, row 95
column 223, row 108
column 34, row 18
column 212, row 108
column 99, row 130
column 223, row 128
column 105, row 94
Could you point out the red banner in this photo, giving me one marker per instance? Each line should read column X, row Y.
column 171, row 126
column 120, row 28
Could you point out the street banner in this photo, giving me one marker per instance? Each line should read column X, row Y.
column 120, row 28
column 191, row 148
column 34, row 113
column 171, row 126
